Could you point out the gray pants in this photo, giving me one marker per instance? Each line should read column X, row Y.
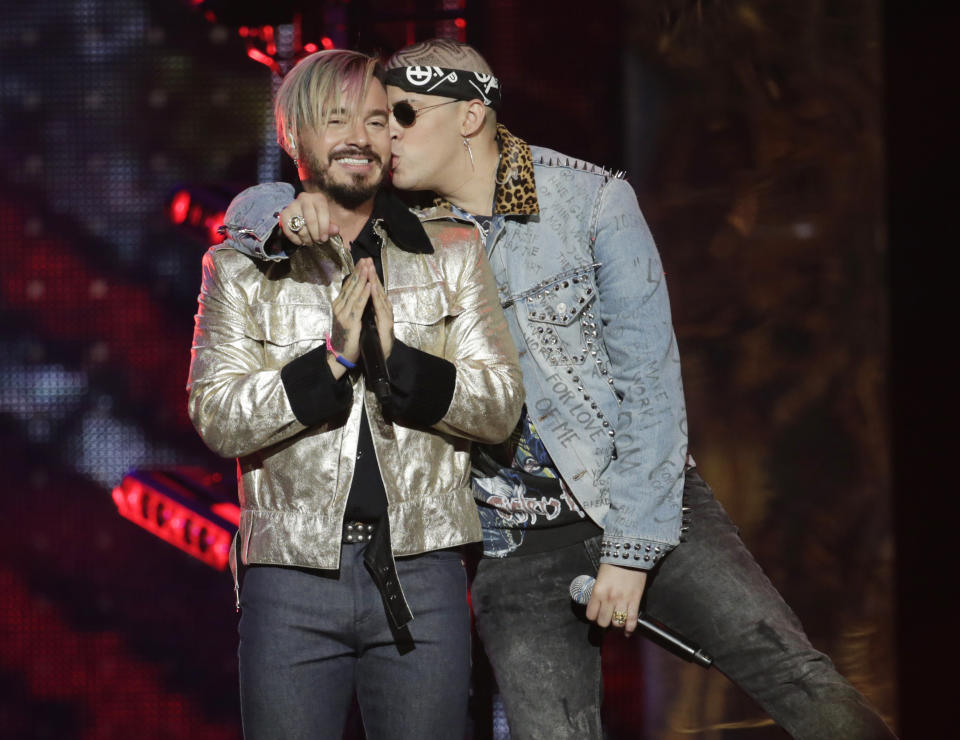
column 309, row 639
column 546, row 656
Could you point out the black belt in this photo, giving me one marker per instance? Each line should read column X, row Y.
column 378, row 557
column 357, row 531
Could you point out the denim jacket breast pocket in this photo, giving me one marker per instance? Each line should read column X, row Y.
column 288, row 330
column 559, row 311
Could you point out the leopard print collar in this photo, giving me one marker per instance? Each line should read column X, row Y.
column 516, row 191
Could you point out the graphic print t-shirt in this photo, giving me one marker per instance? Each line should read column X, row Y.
column 524, row 504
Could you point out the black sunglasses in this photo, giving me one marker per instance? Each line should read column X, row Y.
column 406, row 115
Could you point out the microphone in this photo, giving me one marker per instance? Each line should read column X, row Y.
column 378, row 379
column 581, row 588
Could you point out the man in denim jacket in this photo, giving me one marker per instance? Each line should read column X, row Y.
column 597, row 476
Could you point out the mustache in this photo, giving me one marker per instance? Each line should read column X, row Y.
column 356, row 151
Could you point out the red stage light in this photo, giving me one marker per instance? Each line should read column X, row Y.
column 460, row 23
column 327, row 42
column 177, row 507
column 310, row 48
column 213, row 223
column 230, row 512
column 258, row 56
column 180, row 206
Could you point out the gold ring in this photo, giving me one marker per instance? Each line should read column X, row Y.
column 296, row 223
column 619, row 618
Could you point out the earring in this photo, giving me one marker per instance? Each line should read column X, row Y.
column 466, row 143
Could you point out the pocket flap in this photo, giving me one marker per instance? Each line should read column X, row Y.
column 561, row 300
column 286, row 323
column 425, row 304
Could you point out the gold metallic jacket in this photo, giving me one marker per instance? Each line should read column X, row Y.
column 253, row 318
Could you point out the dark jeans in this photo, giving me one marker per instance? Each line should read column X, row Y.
column 547, row 659
column 309, row 639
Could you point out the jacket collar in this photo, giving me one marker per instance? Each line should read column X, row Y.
column 399, row 222
column 515, row 172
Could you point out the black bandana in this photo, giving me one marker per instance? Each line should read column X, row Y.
column 450, row 83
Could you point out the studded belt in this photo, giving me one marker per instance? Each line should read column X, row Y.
column 357, row 531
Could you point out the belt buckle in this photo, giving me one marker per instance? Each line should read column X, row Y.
column 357, row 531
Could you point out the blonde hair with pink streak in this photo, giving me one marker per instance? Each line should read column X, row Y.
column 319, row 86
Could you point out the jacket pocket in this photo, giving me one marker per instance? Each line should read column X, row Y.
column 419, row 316
column 288, row 330
column 560, row 318
column 561, row 299
column 424, row 305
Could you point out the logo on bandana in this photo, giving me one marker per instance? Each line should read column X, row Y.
column 419, row 76
column 454, row 83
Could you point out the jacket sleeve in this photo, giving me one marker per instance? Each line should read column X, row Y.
column 488, row 389
column 646, row 477
column 237, row 404
column 421, row 384
column 250, row 221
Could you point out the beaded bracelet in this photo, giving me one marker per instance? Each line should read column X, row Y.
column 336, row 355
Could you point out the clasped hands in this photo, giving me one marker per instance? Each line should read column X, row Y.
column 311, row 215
column 361, row 286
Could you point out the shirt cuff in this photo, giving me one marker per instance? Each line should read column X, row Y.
column 421, row 384
column 314, row 395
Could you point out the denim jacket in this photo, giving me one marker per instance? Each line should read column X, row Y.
column 583, row 289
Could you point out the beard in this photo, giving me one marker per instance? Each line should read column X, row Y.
column 358, row 189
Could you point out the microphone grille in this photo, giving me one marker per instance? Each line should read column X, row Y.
column 581, row 588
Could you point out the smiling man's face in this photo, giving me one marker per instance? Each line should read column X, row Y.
column 348, row 158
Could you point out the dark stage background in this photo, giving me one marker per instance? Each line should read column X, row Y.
column 753, row 135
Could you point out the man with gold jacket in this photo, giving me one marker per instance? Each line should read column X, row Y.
column 353, row 502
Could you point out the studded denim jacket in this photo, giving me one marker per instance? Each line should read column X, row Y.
column 583, row 289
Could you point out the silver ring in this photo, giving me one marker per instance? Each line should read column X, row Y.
column 296, row 223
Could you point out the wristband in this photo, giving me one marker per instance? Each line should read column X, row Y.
column 336, row 355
